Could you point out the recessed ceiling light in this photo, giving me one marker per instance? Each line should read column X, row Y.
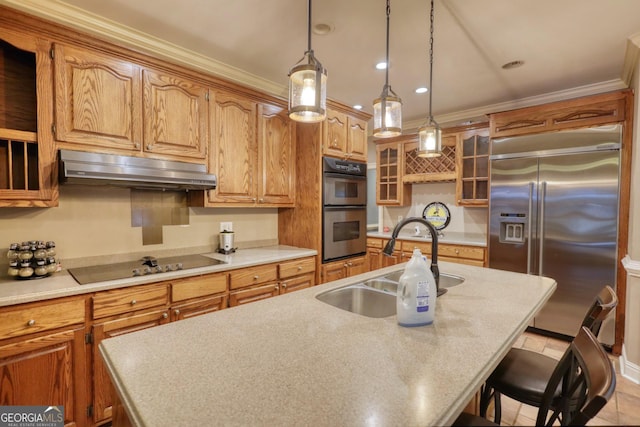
column 322, row 28
column 358, row 107
column 422, row 90
column 381, row 65
column 513, row 64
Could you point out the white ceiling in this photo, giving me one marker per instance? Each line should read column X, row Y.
column 570, row 47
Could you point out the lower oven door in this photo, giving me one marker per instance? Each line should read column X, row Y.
column 344, row 232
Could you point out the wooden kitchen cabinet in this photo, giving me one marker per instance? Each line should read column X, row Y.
column 27, row 153
column 472, row 156
column 43, row 357
column 98, row 100
column 462, row 254
column 376, row 259
column 344, row 268
column 194, row 296
column 176, row 116
column 297, row 274
column 390, row 190
column 345, row 137
column 117, row 312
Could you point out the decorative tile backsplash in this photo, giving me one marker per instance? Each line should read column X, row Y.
column 153, row 209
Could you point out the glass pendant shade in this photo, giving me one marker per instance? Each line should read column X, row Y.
column 387, row 117
column 308, row 92
column 429, row 140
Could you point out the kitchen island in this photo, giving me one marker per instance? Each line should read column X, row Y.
column 294, row 360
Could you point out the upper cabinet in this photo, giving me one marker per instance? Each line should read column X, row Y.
column 252, row 153
column 345, row 137
column 103, row 102
column 390, row 190
column 472, row 155
column 175, row 112
column 98, row 100
column 27, row 153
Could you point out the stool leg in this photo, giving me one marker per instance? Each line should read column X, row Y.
column 498, row 407
column 485, row 399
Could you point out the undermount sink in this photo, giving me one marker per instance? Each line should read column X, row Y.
column 375, row 297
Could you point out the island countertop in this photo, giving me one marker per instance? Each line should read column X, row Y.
column 294, row 360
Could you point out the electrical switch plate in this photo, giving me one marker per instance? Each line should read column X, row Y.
column 226, row 226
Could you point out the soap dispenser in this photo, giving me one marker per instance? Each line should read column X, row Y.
column 416, row 299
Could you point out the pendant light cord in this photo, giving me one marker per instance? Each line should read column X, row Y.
column 309, row 26
column 386, row 79
column 431, row 64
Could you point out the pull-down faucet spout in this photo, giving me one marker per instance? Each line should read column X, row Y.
column 388, row 249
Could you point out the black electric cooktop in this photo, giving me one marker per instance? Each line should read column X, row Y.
column 147, row 265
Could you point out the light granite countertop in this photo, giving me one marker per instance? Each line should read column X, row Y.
column 294, row 360
column 61, row 284
column 453, row 237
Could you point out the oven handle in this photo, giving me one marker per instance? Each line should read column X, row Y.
column 344, row 207
column 344, row 176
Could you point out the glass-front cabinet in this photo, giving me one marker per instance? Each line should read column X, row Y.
column 472, row 185
column 390, row 190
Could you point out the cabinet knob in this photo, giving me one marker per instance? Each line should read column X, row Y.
column 350, row 264
column 176, row 312
column 165, row 315
column 253, row 199
column 256, row 277
column 133, row 302
column 276, row 288
column 31, row 322
column 284, row 286
column 136, row 145
column 457, row 251
column 299, row 267
column 149, row 147
column 261, row 200
column 345, row 265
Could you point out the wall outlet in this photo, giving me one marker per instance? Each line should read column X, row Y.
column 400, row 218
column 226, row 226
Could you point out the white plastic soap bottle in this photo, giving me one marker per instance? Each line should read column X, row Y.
column 416, row 300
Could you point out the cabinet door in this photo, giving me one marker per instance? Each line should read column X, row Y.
column 198, row 307
column 256, row 293
column 335, row 134
column 97, row 99
column 102, row 389
column 472, row 156
column 333, row 271
column 296, row 283
column 276, row 172
column 357, row 265
column 357, row 139
column 233, row 154
column 48, row 370
column 175, row 116
column 374, row 257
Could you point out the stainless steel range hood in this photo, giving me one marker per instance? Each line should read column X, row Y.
column 107, row 169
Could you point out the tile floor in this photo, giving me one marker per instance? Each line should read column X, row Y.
column 622, row 410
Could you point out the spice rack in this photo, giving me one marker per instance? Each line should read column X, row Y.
column 34, row 259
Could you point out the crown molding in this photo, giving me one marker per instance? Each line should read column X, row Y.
column 631, row 266
column 79, row 19
column 631, row 58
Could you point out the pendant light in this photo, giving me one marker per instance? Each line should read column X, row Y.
column 387, row 110
column 308, row 85
column 430, row 135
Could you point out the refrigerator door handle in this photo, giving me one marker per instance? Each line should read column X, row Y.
column 529, row 232
column 543, row 195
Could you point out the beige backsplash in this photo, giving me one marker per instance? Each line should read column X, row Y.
column 96, row 222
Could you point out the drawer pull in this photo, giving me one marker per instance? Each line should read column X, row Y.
column 256, row 277
column 176, row 312
column 284, row 286
column 457, row 251
column 133, row 302
column 31, row 322
column 165, row 315
column 299, row 267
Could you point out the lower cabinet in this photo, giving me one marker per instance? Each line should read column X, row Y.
column 344, row 268
column 43, row 357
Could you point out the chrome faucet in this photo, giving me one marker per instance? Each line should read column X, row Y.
column 388, row 249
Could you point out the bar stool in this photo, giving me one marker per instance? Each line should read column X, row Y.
column 581, row 384
column 523, row 374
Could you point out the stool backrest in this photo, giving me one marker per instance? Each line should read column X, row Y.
column 605, row 302
column 587, row 380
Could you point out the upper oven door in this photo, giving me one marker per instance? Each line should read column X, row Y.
column 344, row 190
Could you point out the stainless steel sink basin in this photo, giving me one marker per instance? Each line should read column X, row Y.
column 375, row 297
column 362, row 300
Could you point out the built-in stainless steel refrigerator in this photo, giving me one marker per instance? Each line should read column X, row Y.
column 553, row 211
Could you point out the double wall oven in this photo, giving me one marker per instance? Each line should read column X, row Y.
column 344, row 212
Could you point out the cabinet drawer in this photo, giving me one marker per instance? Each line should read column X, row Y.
column 198, row 287
column 257, row 293
column 253, row 276
column 297, row 283
column 31, row 318
column 409, row 245
column 374, row 243
column 296, row 267
column 117, row 301
column 468, row 252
